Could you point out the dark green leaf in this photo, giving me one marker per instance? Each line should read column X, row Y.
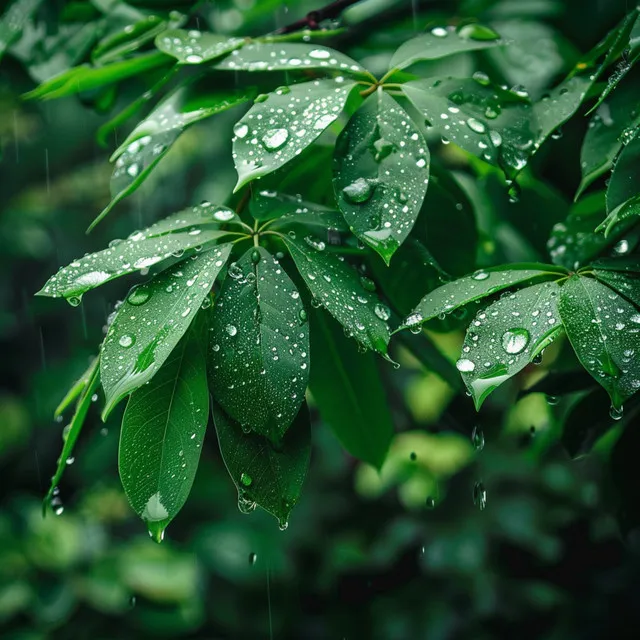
column 128, row 39
column 506, row 336
column 195, row 47
column 381, row 172
column 14, row 20
column 151, row 321
column 623, row 185
column 604, row 330
column 269, row 205
column 259, row 345
column 444, row 41
column 162, row 432
column 266, row 474
column 625, row 283
column 277, row 128
column 76, row 390
column 338, row 288
column 348, row 391
column 625, row 213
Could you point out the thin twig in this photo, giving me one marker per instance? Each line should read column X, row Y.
column 313, row 19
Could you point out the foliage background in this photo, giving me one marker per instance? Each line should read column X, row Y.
column 363, row 556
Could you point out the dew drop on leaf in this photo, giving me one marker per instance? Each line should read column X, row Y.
column 515, row 340
column 240, row 129
column 126, row 341
column 465, row 365
column 275, row 139
column 358, row 191
column 138, row 296
column 246, row 479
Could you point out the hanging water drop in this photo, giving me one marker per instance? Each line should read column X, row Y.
column 479, row 495
column 616, row 413
column 477, row 438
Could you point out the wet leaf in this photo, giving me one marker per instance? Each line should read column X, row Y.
column 266, row 474
column 276, row 129
column 196, row 47
column 259, row 345
column 380, row 173
column 604, row 330
column 626, row 283
column 76, row 390
column 623, row 185
column 162, row 432
column 151, row 321
column 347, row 388
column 624, row 214
column 441, row 42
column 337, row 286
column 13, row 21
column 506, row 336
column 269, row 205
column 478, row 285
column 290, row 57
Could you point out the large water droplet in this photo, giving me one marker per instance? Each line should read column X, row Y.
column 275, row 139
column 477, row 32
column 616, row 413
column 126, row 341
column 240, row 129
column 515, row 340
column 231, row 330
column 138, row 296
column 246, row 479
column 358, row 191
column 465, row 365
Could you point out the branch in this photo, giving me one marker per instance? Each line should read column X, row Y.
column 313, row 19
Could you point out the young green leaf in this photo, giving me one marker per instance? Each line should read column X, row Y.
column 162, row 432
column 139, row 251
column 269, row 205
column 506, row 336
column 380, row 173
column 290, row 57
column 476, row 286
column 323, row 221
column 283, row 123
column 259, row 345
column 624, row 214
column 492, row 123
column 604, row 330
column 151, row 321
column 346, row 386
column 201, row 217
column 196, row 47
column 13, row 21
column 151, row 140
column 76, row 390
column 266, row 474
column 623, row 185
column 441, row 42
column 338, row 288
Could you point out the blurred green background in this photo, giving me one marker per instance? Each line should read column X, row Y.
column 408, row 553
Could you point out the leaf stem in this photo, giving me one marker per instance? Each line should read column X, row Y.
column 387, row 75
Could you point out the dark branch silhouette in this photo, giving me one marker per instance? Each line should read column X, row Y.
column 313, row 19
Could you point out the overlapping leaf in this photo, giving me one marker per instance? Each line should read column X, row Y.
column 13, row 21
column 623, row 185
column 622, row 275
column 196, row 47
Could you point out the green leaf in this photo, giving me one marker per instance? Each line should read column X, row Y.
column 604, row 330
column 75, row 426
column 259, row 345
column 604, row 137
column 290, row 57
column 347, row 388
column 196, row 47
column 201, row 217
column 444, row 41
column 85, row 77
column 151, row 321
column 279, row 126
column 129, row 39
column 269, row 205
column 139, row 251
column 506, row 336
column 380, row 173
column 624, row 213
column 623, row 184
column 338, row 288
column 162, row 433
column 76, row 390
column 626, row 283
column 265, row 474
column 321, row 220
column 151, row 140
column 14, row 20
column 482, row 283
column 487, row 121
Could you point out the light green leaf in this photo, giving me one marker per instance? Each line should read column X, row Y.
column 487, row 121
column 623, row 184
column 347, row 388
column 259, row 345
column 338, row 288
column 14, row 20
column 604, row 330
column 76, row 390
column 129, row 39
column 444, row 41
column 266, row 475
column 290, row 57
column 380, row 173
column 196, row 47
column 277, row 128
column 151, row 321
column 162, row 432
column 505, row 337
column 476, row 286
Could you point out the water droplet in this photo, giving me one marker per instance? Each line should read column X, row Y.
column 481, row 78
column 616, row 413
column 255, row 256
column 515, row 340
column 382, row 312
column 552, row 400
column 477, row 438
column 193, row 59
column 253, row 557
column 302, row 314
column 479, row 495
column 231, row 330
column 477, row 31
column 480, row 275
column 319, row 54
column 358, row 191
column 138, row 295
column 275, row 139
column 240, row 129
column 476, row 125
column 439, row 32
column 246, row 479
column 465, row 365
column 430, row 503
column 283, row 525
column 413, row 320
column 126, row 341
column 74, row 301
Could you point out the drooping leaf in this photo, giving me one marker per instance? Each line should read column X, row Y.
column 604, row 330
column 380, row 173
column 293, row 56
column 85, row 77
column 487, row 121
column 338, row 288
column 283, row 123
column 151, row 321
column 624, row 214
column 506, row 336
column 265, row 474
column 139, row 251
column 441, row 42
column 623, row 185
column 162, row 432
column 151, row 140
column 13, row 21
column 349, row 392
column 76, row 390
column 259, row 345
column 195, row 47
column 75, row 426
column 482, row 283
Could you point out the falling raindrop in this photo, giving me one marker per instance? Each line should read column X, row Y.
column 479, row 495
column 477, row 438
column 430, row 503
column 616, row 413
column 253, row 557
